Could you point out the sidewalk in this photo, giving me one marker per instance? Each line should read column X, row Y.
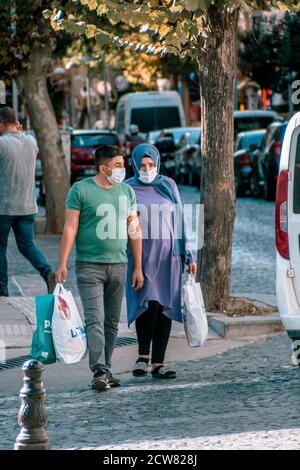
column 17, row 323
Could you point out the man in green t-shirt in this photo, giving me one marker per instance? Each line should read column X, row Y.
column 100, row 211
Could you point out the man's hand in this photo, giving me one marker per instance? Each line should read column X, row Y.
column 133, row 226
column 61, row 275
column 137, row 281
column 192, row 269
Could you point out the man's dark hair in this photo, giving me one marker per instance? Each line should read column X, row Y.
column 105, row 153
column 8, row 116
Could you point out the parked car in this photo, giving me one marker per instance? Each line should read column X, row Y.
column 177, row 133
column 246, row 145
column 288, row 232
column 167, row 147
column 83, row 146
column 253, row 120
column 265, row 162
column 188, row 158
column 152, row 136
column 150, row 111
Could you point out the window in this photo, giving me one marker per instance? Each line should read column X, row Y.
column 252, row 123
column 93, row 140
column 121, row 120
column 151, row 119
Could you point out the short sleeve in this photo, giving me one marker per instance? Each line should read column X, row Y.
column 132, row 200
column 74, row 198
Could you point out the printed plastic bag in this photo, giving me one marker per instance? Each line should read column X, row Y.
column 194, row 315
column 42, row 347
column 69, row 335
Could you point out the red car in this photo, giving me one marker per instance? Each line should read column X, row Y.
column 83, row 146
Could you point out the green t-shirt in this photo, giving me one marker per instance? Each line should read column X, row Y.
column 102, row 233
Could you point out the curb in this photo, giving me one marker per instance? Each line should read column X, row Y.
column 240, row 327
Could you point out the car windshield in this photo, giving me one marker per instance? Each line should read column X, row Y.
column 243, row 124
column 93, row 140
column 252, row 139
column 194, row 138
column 150, row 119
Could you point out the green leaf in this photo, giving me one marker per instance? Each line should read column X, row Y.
column 103, row 39
column 193, row 5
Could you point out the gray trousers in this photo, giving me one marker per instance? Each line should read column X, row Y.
column 101, row 288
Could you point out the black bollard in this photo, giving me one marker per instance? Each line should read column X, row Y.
column 33, row 416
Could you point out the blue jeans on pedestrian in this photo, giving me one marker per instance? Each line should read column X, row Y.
column 23, row 228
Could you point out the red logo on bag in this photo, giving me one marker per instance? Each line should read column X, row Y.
column 63, row 308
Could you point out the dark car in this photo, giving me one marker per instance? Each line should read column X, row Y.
column 252, row 120
column 166, row 146
column 188, row 158
column 246, row 144
column 83, row 146
column 266, row 162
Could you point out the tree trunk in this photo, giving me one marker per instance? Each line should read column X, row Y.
column 186, row 100
column 33, row 87
column 217, row 60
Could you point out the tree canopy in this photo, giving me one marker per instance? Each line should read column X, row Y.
column 165, row 26
column 270, row 52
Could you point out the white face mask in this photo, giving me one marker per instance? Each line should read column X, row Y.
column 148, row 177
column 118, row 176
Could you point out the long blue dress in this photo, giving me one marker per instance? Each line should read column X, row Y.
column 161, row 268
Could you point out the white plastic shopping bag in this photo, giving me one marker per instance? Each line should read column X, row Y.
column 69, row 335
column 194, row 315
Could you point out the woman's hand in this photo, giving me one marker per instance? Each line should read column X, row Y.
column 192, row 269
column 137, row 281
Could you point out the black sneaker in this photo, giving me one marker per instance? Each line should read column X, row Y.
column 4, row 293
column 113, row 381
column 50, row 281
column 100, row 381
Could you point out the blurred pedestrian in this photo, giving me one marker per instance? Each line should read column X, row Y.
column 18, row 208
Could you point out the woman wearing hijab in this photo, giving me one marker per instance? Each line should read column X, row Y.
column 165, row 253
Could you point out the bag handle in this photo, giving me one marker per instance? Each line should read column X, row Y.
column 59, row 289
column 191, row 279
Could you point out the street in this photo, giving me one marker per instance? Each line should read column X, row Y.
column 245, row 398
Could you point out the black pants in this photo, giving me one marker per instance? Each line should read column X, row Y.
column 153, row 327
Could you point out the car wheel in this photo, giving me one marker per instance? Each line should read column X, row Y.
column 239, row 190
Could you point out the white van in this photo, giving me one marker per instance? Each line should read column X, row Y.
column 150, row 111
column 288, row 232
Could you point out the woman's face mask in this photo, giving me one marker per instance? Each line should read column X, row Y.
column 148, row 177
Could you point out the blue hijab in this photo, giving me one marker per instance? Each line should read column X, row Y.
column 163, row 187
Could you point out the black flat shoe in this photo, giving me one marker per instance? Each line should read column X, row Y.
column 162, row 372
